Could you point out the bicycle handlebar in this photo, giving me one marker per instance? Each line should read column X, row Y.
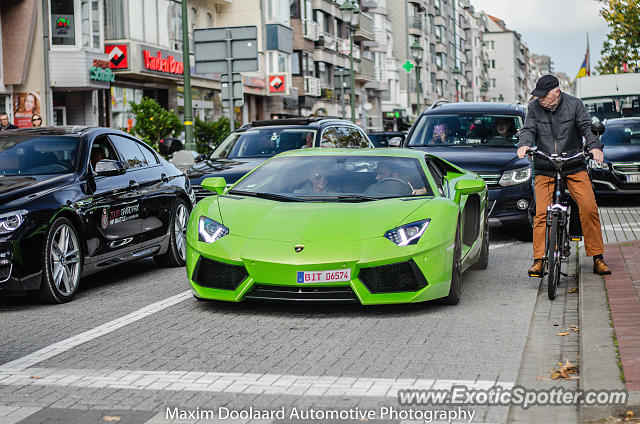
column 558, row 159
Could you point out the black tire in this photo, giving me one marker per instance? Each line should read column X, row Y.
column 62, row 263
column 453, row 298
column 176, row 252
column 553, row 259
column 483, row 259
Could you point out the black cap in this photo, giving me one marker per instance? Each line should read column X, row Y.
column 544, row 85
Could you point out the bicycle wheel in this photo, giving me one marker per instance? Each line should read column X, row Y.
column 553, row 258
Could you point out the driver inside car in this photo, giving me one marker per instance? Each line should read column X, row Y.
column 386, row 171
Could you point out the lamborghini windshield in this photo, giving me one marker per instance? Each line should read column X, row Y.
column 466, row 129
column 336, row 178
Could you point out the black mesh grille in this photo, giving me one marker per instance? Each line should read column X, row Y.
column 302, row 293
column 218, row 275
column 400, row 277
column 5, row 272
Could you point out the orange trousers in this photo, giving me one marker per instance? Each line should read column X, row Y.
column 582, row 193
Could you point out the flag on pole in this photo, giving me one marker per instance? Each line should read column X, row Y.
column 585, row 68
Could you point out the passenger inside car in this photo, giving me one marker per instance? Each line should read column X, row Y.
column 441, row 133
column 505, row 127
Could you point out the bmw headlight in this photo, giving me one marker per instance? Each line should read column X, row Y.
column 11, row 221
column 515, row 176
column 594, row 164
column 408, row 234
column 210, row 230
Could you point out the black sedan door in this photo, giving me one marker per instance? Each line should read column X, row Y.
column 113, row 207
column 157, row 195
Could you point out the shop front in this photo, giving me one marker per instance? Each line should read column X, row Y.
column 142, row 70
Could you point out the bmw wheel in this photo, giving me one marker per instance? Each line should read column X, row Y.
column 62, row 263
column 176, row 254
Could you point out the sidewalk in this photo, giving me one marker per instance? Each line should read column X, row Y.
column 603, row 364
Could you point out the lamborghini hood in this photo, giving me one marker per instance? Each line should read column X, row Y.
column 313, row 221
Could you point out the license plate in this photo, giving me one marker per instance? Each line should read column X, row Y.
column 324, row 276
column 633, row 178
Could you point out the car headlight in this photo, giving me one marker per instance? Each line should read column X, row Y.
column 515, row 176
column 408, row 234
column 594, row 164
column 210, row 230
column 11, row 221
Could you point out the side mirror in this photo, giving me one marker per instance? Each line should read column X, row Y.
column 466, row 187
column 108, row 167
column 168, row 146
column 214, row 184
column 597, row 128
column 395, row 142
column 200, row 158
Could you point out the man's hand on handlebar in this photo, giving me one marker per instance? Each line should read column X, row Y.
column 597, row 154
column 522, row 151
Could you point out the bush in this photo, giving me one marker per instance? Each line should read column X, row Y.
column 153, row 122
column 209, row 134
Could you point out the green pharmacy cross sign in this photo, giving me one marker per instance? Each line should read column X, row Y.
column 408, row 66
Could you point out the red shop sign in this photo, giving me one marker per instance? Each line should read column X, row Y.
column 159, row 64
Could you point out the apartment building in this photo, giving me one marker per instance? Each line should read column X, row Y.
column 508, row 63
column 477, row 71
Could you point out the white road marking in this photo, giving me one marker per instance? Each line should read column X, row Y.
column 57, row 348
column 273, row 384
column 499, row 245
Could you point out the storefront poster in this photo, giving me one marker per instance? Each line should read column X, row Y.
column 62, row 26
column 24, row 106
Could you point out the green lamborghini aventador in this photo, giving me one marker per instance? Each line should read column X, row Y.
column 370, row 226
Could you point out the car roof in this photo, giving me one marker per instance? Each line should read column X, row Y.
column 312, row 123
column 73, row 130
column 323, row 151
column 477, row 107
column 622, row 121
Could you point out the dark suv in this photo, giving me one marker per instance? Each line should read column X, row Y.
column 253, row 143
column 482, row 137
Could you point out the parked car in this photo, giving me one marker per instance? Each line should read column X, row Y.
column 482, row 137
column 382, row 138
column 74, row 201
column 374, row 226
column 253, row 143
column 619, row 174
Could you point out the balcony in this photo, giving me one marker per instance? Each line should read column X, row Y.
column 441, row 48
column 312, row 86
column 310, row 29
column 441, row 75
column 367, row 70
column 415, row 22
column 439, row 21
column 327, row 41
column 365, row 30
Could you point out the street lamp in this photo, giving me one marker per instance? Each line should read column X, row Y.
column 350, row 12
column 416, row 52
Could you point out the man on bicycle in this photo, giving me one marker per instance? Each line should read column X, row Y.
column 556, row 123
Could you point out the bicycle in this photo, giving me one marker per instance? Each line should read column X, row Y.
column 556, row 243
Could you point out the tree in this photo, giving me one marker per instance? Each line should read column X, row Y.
column 623, row 42
column 210, row 134
column 153, row 122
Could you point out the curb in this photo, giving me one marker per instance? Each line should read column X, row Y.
column 598, row 357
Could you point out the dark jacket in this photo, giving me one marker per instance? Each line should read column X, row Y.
column 8, row 127
column 570, row 122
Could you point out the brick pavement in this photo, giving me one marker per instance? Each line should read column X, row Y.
column 623, row 291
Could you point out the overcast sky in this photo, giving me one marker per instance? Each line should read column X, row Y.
column 557, row 28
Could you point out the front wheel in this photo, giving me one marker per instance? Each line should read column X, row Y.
column 553, row 258
column 62, row 263
column 176, row 254
column 483, row 259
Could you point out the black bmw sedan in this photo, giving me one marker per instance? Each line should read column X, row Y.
column 74, row 201
column 619, row 174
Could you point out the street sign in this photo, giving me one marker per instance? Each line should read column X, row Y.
column 228, row 51
column 215, row 46
column 237, row 90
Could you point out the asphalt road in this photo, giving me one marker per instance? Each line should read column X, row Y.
column 190, row 354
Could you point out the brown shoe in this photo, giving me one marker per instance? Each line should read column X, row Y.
column 536, row 269
column 600, row 268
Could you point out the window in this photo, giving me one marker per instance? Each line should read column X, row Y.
column 295, row 62
column 493, row 64
column 90, row 15
column 148, row 154
column 100, row 150
column 131, row 155
column 63, row 25
column 150, row 21
column 493, row 82
column 278, row 11
column 278, row 62
column 136, row 20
